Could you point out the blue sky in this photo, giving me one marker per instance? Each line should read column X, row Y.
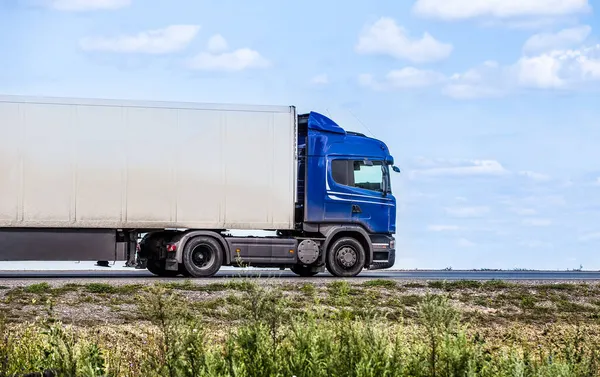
column 491, row 108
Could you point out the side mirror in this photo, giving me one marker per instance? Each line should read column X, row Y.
column 396, row 169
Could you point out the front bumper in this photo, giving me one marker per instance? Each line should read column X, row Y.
column 384, row 252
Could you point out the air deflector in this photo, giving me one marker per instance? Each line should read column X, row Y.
column 319, row 122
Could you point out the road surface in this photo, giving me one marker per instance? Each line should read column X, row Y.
column 132, row 274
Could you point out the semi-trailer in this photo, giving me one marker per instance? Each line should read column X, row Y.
column 81, row 179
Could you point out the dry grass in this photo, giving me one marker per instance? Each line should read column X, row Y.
column 339, row 328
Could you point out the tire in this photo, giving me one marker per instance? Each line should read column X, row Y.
column 202, row 257
column 158, row 269
column 345, row 257
column 303, row 271
column 183, row 271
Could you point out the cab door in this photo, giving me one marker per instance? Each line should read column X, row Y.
column 358, row 193
column 370, row 189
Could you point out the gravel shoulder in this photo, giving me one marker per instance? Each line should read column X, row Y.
column 491, row 304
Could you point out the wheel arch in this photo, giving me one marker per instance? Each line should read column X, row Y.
column 355, row 232
column 185, row 237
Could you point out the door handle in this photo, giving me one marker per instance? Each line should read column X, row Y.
column 356, row 208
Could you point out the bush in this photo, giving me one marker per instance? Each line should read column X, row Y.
column 269, row 343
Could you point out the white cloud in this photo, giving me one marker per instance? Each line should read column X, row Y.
column 551, row 41
column 447, row 167
column 465, row 9
column 405, row 78
column 87, row 5
column 524, row 211
column 160, row 41
column 385, row 37
column 238, row 60
column 535, row 176
column 571, row 69
column 536, row 222
column 463, row 242
column 539, row 72
column 321, row 79
column 467, row 211
column 218, row 58
column 484, row 81
column 217, row 43
column 443, row 228
column 558, row 69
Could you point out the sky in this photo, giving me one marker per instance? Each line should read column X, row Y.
column 491, row 108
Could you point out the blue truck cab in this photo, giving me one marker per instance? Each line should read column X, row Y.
column 344, row 197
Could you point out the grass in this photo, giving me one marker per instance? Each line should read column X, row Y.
column 486, row 303
column 380, row 283
column 267, row 331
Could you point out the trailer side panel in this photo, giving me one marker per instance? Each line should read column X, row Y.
column 95, row 164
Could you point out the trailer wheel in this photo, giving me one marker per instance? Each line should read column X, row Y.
column 345, row 257
column 202, row 256
column 303, row 271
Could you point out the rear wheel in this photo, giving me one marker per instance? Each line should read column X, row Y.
column 345, row 257
column 202, row 256
column 303, row 271
column 158, row 269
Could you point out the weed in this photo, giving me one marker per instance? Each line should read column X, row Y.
column 380, row 283
column 270, row 342
column 339, row 293
column 455, row 285
column 527, row 302
column 38, row 288
column 414, row 285
column 308, row 289
column 497, row 284
column 103, row 288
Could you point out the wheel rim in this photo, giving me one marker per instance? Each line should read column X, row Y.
column 347, row 256
column 202, row 256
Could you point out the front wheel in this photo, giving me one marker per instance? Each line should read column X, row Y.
column 303, row 271
column 345, row 257
column 202, row 257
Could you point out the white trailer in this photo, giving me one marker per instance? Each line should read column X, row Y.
column 72, row 171
column 73, row 163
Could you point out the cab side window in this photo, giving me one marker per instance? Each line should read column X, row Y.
column 366, row 175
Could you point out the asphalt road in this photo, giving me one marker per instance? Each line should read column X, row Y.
column 380, row 274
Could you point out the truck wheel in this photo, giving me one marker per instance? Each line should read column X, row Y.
column 158, row 269
column 202, row 256
column 303, row 271
column 345, row 257
column 183, row 271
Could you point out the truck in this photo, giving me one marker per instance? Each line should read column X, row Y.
column 81, row 179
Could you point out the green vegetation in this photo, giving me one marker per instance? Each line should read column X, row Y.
column 171, row 338
column 380, row 283
column 246, row 327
